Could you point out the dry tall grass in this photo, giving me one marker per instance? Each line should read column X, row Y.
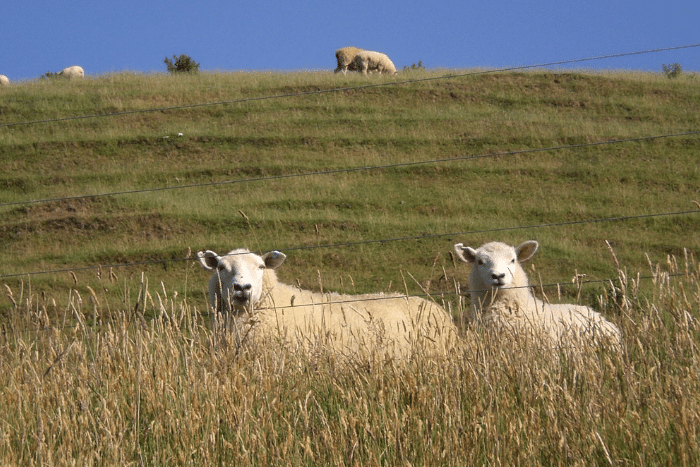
column 104, row 387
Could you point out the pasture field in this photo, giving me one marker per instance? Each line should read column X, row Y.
column 105, row 350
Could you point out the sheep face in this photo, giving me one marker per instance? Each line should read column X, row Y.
column 496, row 264
column 237, row 281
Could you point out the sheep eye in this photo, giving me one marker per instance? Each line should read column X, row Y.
column 512, row 261
column 480, row 262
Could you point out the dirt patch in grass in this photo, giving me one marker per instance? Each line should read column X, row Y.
column 87, row 217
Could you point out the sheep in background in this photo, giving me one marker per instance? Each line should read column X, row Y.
column 72, row 72
column 501, row 297
column 368, row 61
column 4, row 80
column 345, row 57
column 244, row 287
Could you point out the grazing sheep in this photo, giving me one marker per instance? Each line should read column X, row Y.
column 367, row 61
column 345, row 58
column 501, row 297
column 72, row 72
column 244, row 286
column 4, row 81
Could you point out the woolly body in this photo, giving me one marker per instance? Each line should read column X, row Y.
column 246, row 286
column 72, row 72
column 368, row 61
column 501, row 297
column 4, row 80
column 345, row 58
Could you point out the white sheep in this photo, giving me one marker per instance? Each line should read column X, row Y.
column 501, row 297
column 4, row 80
column 72, row 72
column 368, row 61
column 345, row 58
column 245, row 286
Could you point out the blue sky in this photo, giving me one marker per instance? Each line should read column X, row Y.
column 48, row 35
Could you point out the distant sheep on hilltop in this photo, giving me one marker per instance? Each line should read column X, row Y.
column 72, row 72
column 244, row 287
column 368, row 61
column 345, row 58
column 501, row 297
column 4, row 80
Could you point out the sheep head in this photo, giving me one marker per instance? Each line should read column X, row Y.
column 237, row 281
column 496, row 265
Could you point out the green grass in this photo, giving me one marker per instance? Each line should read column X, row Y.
column 471, row 115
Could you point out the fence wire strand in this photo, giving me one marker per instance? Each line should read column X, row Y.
column 350, row 88
column 354, row 169
column 364, row 242
column 436, row 298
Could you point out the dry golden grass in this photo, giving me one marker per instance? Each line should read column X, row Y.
column 108, row 387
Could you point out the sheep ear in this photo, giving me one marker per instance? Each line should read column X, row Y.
column 208, row 259
column 273, row 259
column 526, row 250
column 464, row 253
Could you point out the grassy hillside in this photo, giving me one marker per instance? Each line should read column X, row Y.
column 256, row 141
column 99, row 214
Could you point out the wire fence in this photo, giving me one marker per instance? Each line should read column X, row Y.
column 350, row 88
column 363, row 242
column 41, row 323
column 355, row 169
column 365, row 168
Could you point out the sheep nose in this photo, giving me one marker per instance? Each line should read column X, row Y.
column 242, row 288
column 498, row 276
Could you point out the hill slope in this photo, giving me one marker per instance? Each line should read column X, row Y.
column 271, row 174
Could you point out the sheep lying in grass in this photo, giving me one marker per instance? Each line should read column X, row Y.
column 244, row 286
column 368, row 61
column 72, row 72
column 345, row 58
column 4, row 80
column 501, row 297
